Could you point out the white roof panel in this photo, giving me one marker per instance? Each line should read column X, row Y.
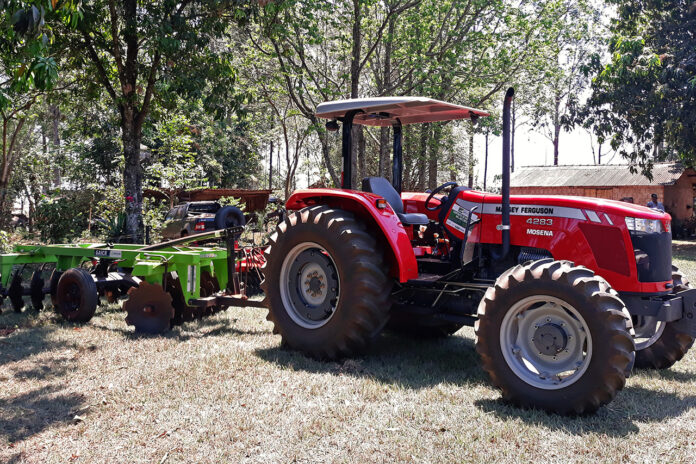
column 384, row 111
column 606, row 175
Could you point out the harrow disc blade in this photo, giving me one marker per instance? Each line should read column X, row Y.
column 37, row 290
column 209, row 287
column 149, row 308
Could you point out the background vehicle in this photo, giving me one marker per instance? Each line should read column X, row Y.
column 553, row 285
column 200, row 216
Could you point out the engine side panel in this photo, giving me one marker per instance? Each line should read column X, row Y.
column 577, row 229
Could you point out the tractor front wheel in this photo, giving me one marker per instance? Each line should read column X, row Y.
column 660, row 344
column 552, row 336
column 326, row 283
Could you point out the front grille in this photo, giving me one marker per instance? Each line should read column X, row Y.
column 653, row 256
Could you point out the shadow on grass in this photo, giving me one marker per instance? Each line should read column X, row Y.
column 26, row 342
column 417, row 364
column 27, row 414
column 620, row 418
column 666, row 374
column 397, row 360
column 209, row 326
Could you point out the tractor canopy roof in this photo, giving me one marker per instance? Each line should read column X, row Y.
column 387, row 111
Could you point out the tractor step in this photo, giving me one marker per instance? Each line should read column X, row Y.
column 425, row 279
column 433, row 266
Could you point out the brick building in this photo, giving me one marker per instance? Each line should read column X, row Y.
column 674, row 185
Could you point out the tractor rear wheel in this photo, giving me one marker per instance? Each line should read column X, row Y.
column 660, row 344
column 76, row 295
column 326, row 284
column 552, row 336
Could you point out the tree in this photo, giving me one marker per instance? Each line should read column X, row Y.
column 644, row 99
column 27, row 70
column 145, row 54
column 574, row 37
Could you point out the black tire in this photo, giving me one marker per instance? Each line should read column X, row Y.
column 76, row 295
column 359, row 304
column 229, row 216
column 602, row 313
column 53, row 285
column 36, row 289
column 673, row 344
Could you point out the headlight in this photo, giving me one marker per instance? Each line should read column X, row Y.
column 648, row 226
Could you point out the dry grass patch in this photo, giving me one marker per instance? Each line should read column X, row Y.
column 222, row 390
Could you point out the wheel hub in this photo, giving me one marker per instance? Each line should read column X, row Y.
column 311, row 287
column 550, row 339
column 546, row 342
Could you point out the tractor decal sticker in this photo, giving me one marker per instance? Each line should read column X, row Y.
column 536, row 210
column 460, row 212
column 540, row 232
column 459, row 215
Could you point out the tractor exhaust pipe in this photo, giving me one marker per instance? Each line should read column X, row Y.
column 505, row 226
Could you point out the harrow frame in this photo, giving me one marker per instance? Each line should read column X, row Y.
column 118, row 267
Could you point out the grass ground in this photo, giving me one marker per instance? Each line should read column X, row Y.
column 222, row 390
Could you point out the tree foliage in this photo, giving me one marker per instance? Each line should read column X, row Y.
column 644, row 99
column 173, row 94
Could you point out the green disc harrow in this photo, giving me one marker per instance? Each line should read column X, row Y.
column 165, row 284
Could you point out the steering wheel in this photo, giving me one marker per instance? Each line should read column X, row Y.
column 436, row 191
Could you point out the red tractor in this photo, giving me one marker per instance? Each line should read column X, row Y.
column 566, row 294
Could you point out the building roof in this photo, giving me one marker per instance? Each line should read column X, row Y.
column 384, row 111
column 608, row 175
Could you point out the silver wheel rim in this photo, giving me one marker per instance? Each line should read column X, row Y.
column 309, row 285
column 546, row 342
column 648, row 331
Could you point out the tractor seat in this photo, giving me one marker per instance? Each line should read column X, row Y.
column 381, row 186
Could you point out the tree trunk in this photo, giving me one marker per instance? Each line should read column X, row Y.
column 422, row 156
column 270, row 168
column 354, row 83
column 485, row 163
column 384, row 145
column 10, row 150
column 432, row 158
column 132, row 176
column 55, row 136
column 361, row 157
column 384, row 150
column 407, row 135
column 556, row 129
column 325, row 152
column 437, row 129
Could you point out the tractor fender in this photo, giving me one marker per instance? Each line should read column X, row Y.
column 382, row 222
